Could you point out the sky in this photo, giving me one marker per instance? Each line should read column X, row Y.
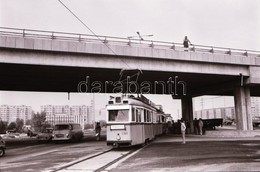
column 222, row 23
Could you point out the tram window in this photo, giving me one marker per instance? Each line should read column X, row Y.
column 118, row 115
column 158, row 119
column 118, row 99
column 133, row 114
column 148, row 116
column 138, row 115
column 163, row 119
column 145, row 115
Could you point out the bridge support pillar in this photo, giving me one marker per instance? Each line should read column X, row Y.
column 243, row 108
column 187, row 112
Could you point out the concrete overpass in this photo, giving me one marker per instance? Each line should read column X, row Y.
column 33, row 60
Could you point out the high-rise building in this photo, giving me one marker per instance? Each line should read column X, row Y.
column 4, row 113
column 255, row 106
column 212, row 112
column 11, row 113
column 64, row 113
column 225, row 113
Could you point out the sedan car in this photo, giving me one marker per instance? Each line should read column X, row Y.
column 45, row 135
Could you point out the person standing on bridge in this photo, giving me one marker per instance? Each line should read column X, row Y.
column 186, row 42
column 183, row 131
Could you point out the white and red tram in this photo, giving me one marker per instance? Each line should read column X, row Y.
column 133, row 121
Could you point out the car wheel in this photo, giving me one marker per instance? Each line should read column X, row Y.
column 2, row 152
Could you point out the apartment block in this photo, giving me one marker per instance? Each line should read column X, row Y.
column 64, row 113
column 11, row 113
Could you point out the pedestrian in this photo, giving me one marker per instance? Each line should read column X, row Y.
column 98, row 130
column 183, row 130
column 200, row 126
column 196, row 126
column 169, row 127
column 186, row 42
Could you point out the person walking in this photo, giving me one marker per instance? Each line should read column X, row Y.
column 196, row 126
column 200, row 126
column 183, row 131
column 98, row 130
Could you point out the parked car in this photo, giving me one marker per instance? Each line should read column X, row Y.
column 45, row 135
column 2, row 147
column 32, row 133
column 2, row 133
column 12, row 134
column 228, row 122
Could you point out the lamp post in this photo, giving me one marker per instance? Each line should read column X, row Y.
column 139, row 36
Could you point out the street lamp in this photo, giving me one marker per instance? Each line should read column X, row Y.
column 139, row 36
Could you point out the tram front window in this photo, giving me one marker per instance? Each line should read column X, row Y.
column 118, row 115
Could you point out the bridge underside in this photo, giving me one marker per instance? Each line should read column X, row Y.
column 18, row 77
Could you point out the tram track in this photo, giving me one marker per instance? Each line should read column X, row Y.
column 81, row 160
column 103, row 168
column 108, row 158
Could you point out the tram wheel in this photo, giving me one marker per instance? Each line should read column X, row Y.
column 115, row 145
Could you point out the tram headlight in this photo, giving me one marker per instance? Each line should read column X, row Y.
column 118, row 137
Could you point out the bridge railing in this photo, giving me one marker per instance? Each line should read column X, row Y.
column 109, row 40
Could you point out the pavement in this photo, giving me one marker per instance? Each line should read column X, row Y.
column 200, row 153
column 219, row 150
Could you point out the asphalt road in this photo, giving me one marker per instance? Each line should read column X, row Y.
column 32, row 156
column 198, row 154
column 167, row 153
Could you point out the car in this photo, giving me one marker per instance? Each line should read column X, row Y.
column 31, row 133
column 12, row 134
column 45, row 135
column 2, row 133
column 2, row 147
column 67, row 132
column 228, row 122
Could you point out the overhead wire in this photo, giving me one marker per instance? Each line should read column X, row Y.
column 92, row 31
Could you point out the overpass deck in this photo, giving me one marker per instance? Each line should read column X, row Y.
column 64, row 59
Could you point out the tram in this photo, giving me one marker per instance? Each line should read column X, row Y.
column 133, row 121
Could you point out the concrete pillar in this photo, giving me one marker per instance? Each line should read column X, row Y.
column 187, row 112
column 243, row 108
column 248, row 109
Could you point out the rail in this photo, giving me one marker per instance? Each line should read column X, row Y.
column 110, row 40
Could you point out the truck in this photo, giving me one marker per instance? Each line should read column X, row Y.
column 256, row 121
column 211, row 124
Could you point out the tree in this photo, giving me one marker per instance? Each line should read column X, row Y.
column 19, row 124
column 28, row 122
column 88, row 126
column 12, row 126
column 103, row 123
column 38, row 120
column 3, row 125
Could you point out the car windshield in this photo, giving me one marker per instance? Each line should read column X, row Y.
column 118, row 115
column 62, row 127
column 47, row 131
